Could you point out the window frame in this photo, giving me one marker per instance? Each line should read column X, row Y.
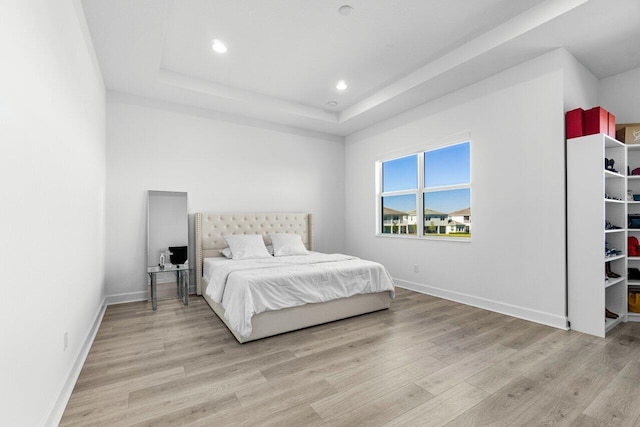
column 420, row 191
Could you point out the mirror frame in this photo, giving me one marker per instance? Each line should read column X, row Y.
column 150, row 194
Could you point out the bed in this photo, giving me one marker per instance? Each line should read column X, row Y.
column 210, row 230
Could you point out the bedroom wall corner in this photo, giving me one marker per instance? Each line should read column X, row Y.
column 580, row 85
column 52, row 160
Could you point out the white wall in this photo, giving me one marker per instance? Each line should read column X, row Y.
column 52, row 169
column 223, row 165
column 620, row 94
column 515, row 262
column 580, row 85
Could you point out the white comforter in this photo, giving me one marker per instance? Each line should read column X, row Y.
column 248, row 287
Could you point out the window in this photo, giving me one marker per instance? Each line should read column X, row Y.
column 400, row 189
column 435, row 182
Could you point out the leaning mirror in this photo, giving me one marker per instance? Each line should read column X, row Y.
column 167, row 243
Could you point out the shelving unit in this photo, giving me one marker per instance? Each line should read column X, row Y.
column 594, row 196
column 633, row 207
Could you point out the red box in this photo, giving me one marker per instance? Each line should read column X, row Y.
column 612, row 126
column 574, row 123
column 596, row 120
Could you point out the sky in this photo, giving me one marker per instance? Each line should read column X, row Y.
column 444, row 166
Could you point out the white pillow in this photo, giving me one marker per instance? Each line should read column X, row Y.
column 245, row 246
column 226, row 252
column 287, row 244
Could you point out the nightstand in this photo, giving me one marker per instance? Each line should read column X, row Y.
column 182, row 284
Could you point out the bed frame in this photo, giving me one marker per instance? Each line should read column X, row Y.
column 210, row 229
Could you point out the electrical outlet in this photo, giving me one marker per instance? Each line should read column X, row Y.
column 66, row 340
column 415, row 268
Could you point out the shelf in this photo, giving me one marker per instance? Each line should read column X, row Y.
column 611, row 323
column 633, row 177
column 613, row 282
column 609, row 174
column 633, row 282
column 633, row 147
column 633, row 202
column 587, row 186
column 634, row 258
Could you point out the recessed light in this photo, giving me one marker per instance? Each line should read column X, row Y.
column 332, row 103
column 218, row 46
column 342, row 85
column 345, row 10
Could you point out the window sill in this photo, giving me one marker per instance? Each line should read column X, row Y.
column 414, row 237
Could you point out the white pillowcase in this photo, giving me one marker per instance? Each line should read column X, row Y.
column 226, row 252
column 245, row 246
column 287, row 244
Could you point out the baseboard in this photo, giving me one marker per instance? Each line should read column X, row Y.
column 57, row 410
column 633, row 317
column 128, row 297
column 135, row 296
column 548, row 319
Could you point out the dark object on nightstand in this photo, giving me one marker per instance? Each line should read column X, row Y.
column 178, row 254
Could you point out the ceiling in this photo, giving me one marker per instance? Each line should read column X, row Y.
column 285, row 57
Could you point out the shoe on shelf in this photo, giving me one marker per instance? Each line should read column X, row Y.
column 609, row 272
column 609, row 226
column 610, row 314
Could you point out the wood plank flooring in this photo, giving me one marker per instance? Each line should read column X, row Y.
column 426, row 361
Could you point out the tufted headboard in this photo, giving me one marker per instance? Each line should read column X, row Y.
column 210, row 229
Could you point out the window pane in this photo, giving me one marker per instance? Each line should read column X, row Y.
column 448, row 213
column 399, row 214
column 447, row 166
column 400, row 174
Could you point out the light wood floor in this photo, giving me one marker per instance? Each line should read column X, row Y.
column 426, row 361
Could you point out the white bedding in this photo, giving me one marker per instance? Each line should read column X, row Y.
column 248, row 287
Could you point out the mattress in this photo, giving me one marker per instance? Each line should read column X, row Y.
column 245, row 288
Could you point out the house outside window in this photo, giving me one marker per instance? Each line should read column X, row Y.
column 435, row 182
